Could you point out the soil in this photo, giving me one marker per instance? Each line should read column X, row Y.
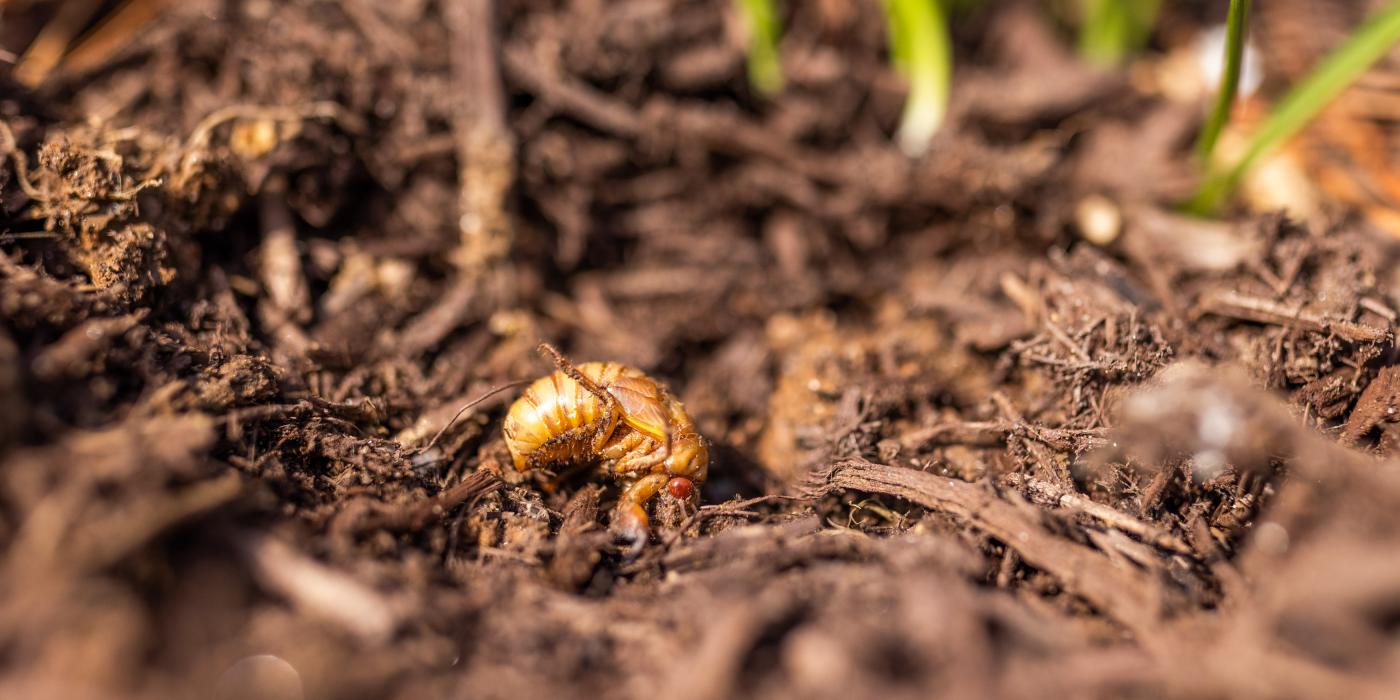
column 255, row 256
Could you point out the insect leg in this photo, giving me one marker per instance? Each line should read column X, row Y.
column 630, row 521
column 611, row 410
column 633, row 457
column 619, row 450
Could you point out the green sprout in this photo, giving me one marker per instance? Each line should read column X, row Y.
column 922, row 50
column 1235, row 29
column 919, row 47
column 1334, row 74
column 1111, row 30
column 764, row 29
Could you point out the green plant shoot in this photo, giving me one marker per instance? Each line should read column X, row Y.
column 1338, row 70
column 761, row 20
column 1236, row 29
column 1111, row 30
column 922, row 50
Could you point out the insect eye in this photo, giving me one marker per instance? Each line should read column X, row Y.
column 680, row 488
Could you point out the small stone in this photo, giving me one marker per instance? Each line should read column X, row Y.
column 1098, row 219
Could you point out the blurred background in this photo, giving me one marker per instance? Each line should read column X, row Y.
column 1045, row 348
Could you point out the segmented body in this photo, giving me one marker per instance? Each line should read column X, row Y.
column 626, row 422
column 555, row 421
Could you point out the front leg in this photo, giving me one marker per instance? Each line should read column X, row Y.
column 572, row 372
column 633, row 454
column 630, row 521
column 603, row 432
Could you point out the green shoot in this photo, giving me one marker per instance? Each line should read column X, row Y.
column 922, row 50
column 1338, row 70
column 1235, row 30
column 1110, row 30
column 761, row 21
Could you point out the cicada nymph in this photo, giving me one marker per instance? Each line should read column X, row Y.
column 618, row 418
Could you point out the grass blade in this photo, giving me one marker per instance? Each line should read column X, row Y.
column 1236, row 26
column 923, row 51
column 1110, row 30
column 1338, row 70
column 765, row 70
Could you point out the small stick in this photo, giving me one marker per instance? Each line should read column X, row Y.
column 286, row 303
column 114, row 31
column 995, row 433
column 1378, row 308
column 279, row 259
column 1007, row 568
column 42, row 55
column 317, row 589
column 1245, row 308
column 365, row 515
column 1063, row 338
column 485, row 146
column 1034, row 447
column 1109, row 516
column 580, row 101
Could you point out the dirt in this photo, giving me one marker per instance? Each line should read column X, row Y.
column 255, row 259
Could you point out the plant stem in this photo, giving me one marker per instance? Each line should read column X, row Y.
column 1338, row 70
column 1111, row 29
column 765, row 70
column 1236, row 27
column 922, row 49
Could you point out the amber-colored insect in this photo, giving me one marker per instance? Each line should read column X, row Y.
column 618, row 417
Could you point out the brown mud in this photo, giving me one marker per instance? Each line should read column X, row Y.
column 255, row 258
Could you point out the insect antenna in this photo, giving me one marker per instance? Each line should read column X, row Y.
column 489, row 393
column 568, row 368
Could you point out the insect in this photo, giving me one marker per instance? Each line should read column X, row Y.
column 619, row 418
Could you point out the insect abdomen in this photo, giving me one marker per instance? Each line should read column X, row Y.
column 555, row 418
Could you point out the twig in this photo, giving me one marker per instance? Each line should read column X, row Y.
column 1063, row 338
column 459, row 303
column 578, row 548
column 42, row 55
column 1106, row 514
column 318, row 590
column 115, row 30
column 485, row 147
column 74, row 349
column 1050, row 468
column 716, row 128
column 977, row 434
column 588, row 105
column 485, row 173
column 1121, row 593
column 1231, row 304
column 366, row 514
column 995, row 433
column 105, row 542
column 286, row 305
column 1378, row 308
